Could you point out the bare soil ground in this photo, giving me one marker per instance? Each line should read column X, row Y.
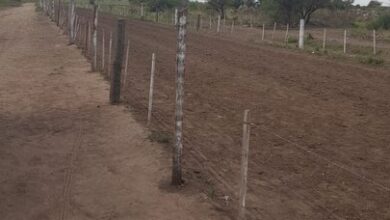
column 321, row 128
column 65, row 153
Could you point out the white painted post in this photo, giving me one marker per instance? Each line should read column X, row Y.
column 244, row 165
column 263, row 33
column 103, row 49
column 374, row 41
column 219, row 23
column 151, row 89
column 210, row 23
column 324, row 40
column 109, row 55
column 345, row 41
column 301, row 33
column 94, row 36
column 175, row 16
column 126, row 62
column 286, row 37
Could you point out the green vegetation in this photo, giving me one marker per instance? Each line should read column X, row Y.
column 9, row 3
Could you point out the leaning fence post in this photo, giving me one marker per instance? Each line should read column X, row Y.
column 94, row 36
column 374, row 41
column 301, row 33
column 152, row 69
column 115, row 89
column 244, row 165
column 324, row 40
column 180, row 70
column 345, row 41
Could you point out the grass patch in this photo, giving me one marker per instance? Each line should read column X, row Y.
column 161, row 137
column 371, row 60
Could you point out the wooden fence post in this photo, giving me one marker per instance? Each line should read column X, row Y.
column 244, row 165
column 324, row 40
column 374, row 41
column 115, row 89
column 232, row 28
column 152, row 69
column 94, row 36
column 301, row 34
column 180, row 70
column 58, row 13
column 86, row 38
column 345, row 41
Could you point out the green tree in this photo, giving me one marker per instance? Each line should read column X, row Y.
column 374, row 3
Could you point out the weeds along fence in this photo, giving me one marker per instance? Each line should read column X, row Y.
column 275, row 173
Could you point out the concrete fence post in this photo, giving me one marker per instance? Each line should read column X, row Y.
column 150, row 106
column 301, row 34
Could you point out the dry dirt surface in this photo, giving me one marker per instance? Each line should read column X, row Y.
column 65, row 153
column 320, row 134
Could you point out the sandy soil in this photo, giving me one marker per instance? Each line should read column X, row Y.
column 65, row 153
column 320, row 137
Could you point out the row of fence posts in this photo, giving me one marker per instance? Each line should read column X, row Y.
column 74, row 31
column 84, row 37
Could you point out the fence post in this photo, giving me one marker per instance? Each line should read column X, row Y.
column 86, row 37
column 263, row 33
column 103, row 49
column 58, row 13
column 152, row 69
column 142, row 11
column 324, row 40
column 244, row 165
column 115, row 89
column 273, row 32
column 110, row 55
column 210, row 24
column 175, row 16
column 219, row 24
column 198, row 23
column 374, row 41
column 180, row 70
column 94, row 36
column 345, row 41
column 301, row 33
column 71, row 21
column 126, row 62
column 286, row 37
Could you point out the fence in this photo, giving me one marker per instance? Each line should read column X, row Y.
column 288, row 177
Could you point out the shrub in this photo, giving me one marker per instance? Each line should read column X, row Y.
column 382, row 22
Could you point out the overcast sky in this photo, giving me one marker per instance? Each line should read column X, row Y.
column 365, row 2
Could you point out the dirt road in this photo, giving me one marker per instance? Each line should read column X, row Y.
column 65, row 153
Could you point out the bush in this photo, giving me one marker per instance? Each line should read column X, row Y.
column 372, row 60
column 382, row 22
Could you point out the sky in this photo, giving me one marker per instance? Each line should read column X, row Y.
column 365, row 2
